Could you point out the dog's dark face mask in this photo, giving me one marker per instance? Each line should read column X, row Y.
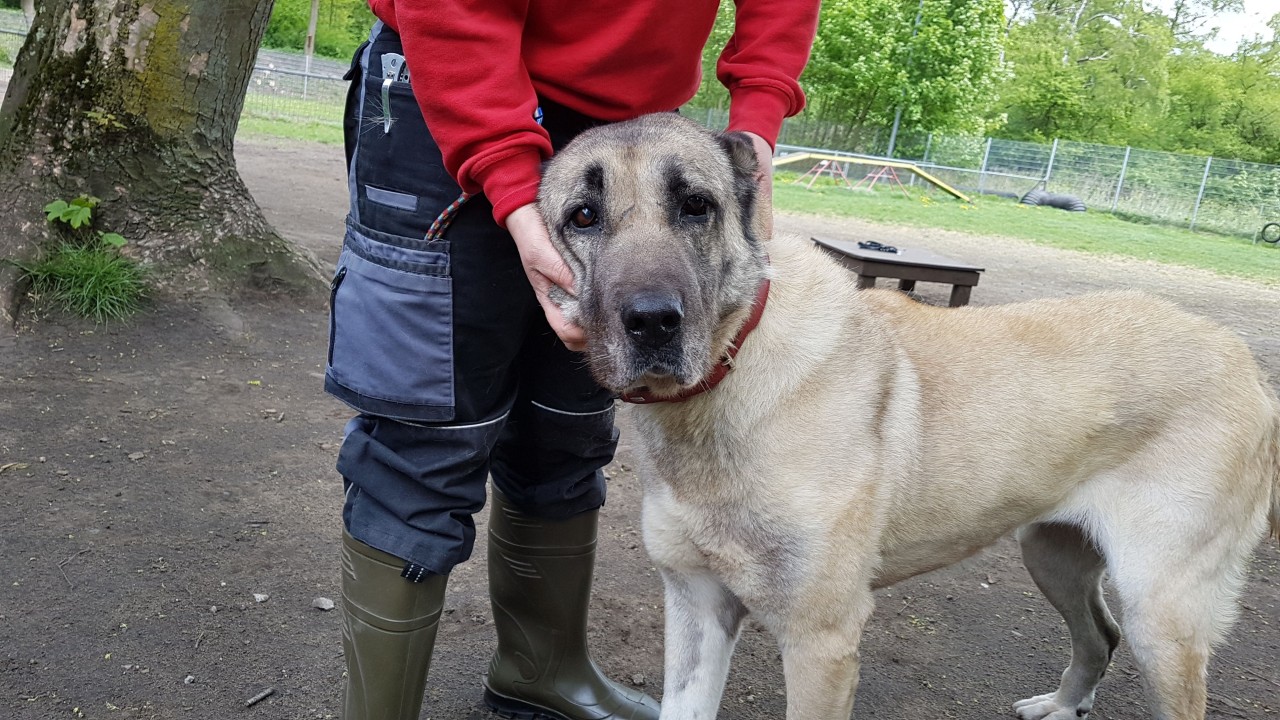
column 654, row 218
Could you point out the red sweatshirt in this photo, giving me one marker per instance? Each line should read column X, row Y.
column 477, row 67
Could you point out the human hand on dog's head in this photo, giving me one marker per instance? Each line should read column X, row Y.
column 551, row 279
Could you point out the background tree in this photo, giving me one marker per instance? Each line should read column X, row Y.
column 137, row 102
column 1121, row 72
column 1086, row 70
column 1187, row 18
column 340, row 27
column 1225, row 106
column 870, row 58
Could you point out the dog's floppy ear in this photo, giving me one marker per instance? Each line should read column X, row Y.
column 742, row 153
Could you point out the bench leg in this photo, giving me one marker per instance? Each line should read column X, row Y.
column 906, row 285
column 960, row 295
column 866, row 281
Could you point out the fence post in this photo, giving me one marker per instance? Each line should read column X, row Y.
column 1124, row 167
column 928, row 143
column 982, row 173
column 310, row 48
column 1053, row 153
column 1200, row 195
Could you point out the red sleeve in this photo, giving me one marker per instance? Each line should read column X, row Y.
column 475, row 94
column 762, row 62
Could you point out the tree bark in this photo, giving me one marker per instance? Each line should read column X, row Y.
column 136, row 102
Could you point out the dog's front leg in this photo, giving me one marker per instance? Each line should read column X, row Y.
column 820, row 660
column 703, row 618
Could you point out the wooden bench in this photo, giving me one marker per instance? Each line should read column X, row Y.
column 908, row 266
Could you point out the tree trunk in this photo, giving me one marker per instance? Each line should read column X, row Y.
column 136, row 102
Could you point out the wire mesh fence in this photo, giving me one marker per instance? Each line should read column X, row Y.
column 280, row 92
column 1222, row 195
column 13, row 32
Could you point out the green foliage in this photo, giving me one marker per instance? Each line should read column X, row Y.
column 340, row 26
column 1093, row 70
column 93, row 282
column 867, row 62
column 77, row 213
column 86, row 274
column 104, row 119
column 711, row 94
column 1226, row 106
column 1124, row 73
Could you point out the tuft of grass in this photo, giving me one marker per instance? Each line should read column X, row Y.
column 93, row 282
column 1092, row 232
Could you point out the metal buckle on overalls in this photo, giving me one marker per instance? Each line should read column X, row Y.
column 394, row 69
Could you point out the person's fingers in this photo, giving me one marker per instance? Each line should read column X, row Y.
column 544, row 267
column 764, row 184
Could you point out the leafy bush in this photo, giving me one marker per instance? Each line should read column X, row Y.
column 341, row 26
column 85, row 273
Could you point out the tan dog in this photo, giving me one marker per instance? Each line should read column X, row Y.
column 863, row 438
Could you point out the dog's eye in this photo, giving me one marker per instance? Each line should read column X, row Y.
column 695, row 206
column 583, row 217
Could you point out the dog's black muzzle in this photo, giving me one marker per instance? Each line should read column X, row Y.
column 652, row 319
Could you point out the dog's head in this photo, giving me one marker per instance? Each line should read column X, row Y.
column 654, row 217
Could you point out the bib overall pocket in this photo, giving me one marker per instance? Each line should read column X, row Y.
column 391, row 327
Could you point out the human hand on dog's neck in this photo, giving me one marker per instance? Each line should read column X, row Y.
column 764, row 192
column 545, row 268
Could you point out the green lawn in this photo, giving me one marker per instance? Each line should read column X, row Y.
column 301, row 130
column 1092, row 232
column 291, row 117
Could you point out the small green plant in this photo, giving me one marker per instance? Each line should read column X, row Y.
column 104, row 119
column 76, row 213
column 86, row 273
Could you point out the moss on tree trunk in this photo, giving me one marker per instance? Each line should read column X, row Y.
column 137, row 102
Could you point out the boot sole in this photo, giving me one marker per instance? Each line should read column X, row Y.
column 517, row 709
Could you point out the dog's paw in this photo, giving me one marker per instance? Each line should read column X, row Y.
column 1046, row 707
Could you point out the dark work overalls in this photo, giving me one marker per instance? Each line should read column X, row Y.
column 441, row 347
column 444, row 350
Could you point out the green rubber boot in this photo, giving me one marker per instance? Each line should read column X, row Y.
column 388, row 631
column 540, row 581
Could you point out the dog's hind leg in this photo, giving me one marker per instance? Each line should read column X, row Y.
column 1177, row 603
column 1068, row 569
column 703, row 618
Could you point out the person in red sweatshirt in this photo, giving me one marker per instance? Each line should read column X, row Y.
column 444, row 341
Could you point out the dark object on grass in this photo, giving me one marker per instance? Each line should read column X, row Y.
column 1070, row 203
column 1270, row 233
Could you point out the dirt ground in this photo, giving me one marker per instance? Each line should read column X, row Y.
column 157, row 474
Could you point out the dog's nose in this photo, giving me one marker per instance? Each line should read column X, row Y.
column 652, row 318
